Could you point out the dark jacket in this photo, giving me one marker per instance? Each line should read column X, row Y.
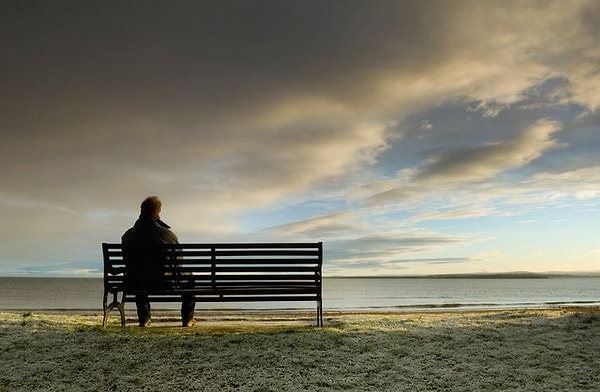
column 144, row 254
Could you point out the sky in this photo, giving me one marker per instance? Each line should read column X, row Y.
column 411, row 137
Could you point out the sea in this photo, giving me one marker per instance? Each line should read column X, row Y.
column 339, row 294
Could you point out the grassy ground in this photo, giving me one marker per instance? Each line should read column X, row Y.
column 527, row 350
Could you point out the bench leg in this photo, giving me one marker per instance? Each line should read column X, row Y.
column 106, row 308
column 121, row 308
column 105, row 315
column 115, row 304
column 319, row 313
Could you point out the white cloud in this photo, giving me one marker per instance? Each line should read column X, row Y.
column 327, row 226
column 454, row 213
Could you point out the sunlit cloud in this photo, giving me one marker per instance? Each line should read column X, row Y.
column 455, row 213
column 326, row 226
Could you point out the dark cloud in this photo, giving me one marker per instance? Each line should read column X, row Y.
column 482, row 162
column 204, row 55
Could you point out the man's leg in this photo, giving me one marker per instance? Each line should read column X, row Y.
column 187, row 310
column 143, row 309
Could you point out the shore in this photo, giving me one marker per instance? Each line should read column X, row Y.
column 507, row 350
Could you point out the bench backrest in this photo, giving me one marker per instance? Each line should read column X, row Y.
column 230, row 267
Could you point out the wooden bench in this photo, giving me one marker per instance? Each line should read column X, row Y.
column 228, row 272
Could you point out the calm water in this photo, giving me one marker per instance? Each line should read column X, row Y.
column 339, row 293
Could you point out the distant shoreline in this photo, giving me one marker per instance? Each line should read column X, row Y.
column 499, row 275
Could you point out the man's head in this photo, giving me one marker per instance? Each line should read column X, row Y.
column 151, row 207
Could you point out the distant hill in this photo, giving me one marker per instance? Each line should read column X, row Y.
column 518, row 275
column 499, row 275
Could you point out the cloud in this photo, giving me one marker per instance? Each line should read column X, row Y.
column 327, row 226
column 488, row 109
column 582, row 179
column 447, row 171
column 387, row 252
column 426, row 125
column 482, row 162
column 454, row 213
column 390, row 244
column 292, row 158
column 392, row 195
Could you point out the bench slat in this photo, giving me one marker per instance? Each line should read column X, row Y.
column 283, row 297
column 243, row 245
column 265, row 261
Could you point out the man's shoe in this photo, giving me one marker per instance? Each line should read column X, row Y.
column 190, row 323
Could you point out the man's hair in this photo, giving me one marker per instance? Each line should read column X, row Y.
column 151, row 207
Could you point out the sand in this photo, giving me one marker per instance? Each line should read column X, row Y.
column 511, row 350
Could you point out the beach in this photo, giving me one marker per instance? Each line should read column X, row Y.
column 500, row 350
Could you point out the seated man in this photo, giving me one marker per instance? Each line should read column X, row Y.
column 146, row 261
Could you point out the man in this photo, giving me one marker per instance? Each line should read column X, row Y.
column 146, row 260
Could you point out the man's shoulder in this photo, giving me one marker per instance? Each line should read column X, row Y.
column 128, row 233
column 149, row 231
column 169, row 237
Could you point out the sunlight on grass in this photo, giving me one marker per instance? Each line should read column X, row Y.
column 168, row 325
